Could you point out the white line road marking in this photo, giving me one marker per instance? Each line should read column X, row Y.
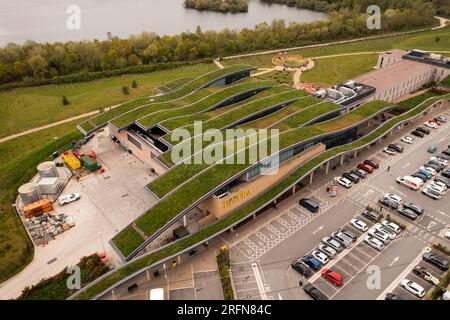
column 406, row 165
column 397, row 280
column 279, row 296
column 370, row 191
column 443, row 213
column 393, row 261
column 391, row 187
column 259, row 282
column 431, row 224
column 318, row 229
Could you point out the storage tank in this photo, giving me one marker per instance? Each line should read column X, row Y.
column 29, row 193
column 47, row 169
column 49, row 186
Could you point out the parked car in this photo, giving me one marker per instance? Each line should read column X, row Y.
column 68, row 198
column 352, row 177
column 360, row 173
column 436, row 259
column 439, row 160
column 441, row 119
column 391, row 225
column 349, row 234
column 312, row 262
column 408, row 213
column 413, row 287
column 371, row 215
column 329, row 251
column 314, row 293
column 301, row 268
column 367, row 168
column 414, row 207
column 428, row 169
column 342, row 238
column 333, row 244
column 443, row 179
column 358, row 224
column 389, row 151
column 425, row 173
column 444, row 156
column 420, row 175
column 435, row 165
column 432, row 193
column 392, row 296
column 309, row 204
column 423, row 273
column 374, row 243
column 417, row 133
column 322, row 257
column 423, row 130
column 438, row 186
column 383, row 237
column 432, row 149
column 396, row 147
column 431, row 125
column 391, row 234
column 446, row 173
column 372, row 163
column 343, row 182
column 388, row 203
column 407, row 139
column 446, row 152
column 332, row 276
column 393, row 197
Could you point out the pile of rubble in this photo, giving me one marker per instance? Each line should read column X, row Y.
column 48, row 225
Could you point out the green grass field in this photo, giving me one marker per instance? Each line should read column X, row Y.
column 331, row 71
column 26, row 108
column 424, row 40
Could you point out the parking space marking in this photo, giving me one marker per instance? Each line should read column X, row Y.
column 259, row 281
column 351, row 254
column 341, row 269
column 369, row 256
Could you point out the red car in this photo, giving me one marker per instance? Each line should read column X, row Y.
column 365, row 167
column 435, row 121
column 332, row 276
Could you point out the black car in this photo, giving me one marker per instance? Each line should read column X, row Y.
column 414, row 207
column 408, row 213
column 385, row 201
column 443, row 156
column 435, row 165
column 314, row 293
column 423, row 130
column 392, row 296
column 443, row 180
column 417, row 133
column 436, row 259
column 371, row 215
column 352, row 177
column 446, row 152
column 301, row 268
column 446, row 173
column 372, row 163
column 395, row 147
column 360, row 173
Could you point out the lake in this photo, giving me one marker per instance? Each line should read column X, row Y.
column 45, row 20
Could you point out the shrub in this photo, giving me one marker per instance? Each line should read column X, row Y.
column 125, row 90
column 134, row 84
column 65, row 100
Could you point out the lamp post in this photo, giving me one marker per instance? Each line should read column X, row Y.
column 55, row 139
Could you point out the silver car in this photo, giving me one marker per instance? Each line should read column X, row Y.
column 333, row 243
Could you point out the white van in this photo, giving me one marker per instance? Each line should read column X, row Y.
column 156, row 294
column 410, row 182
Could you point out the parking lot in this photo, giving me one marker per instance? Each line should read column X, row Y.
column 262, row 255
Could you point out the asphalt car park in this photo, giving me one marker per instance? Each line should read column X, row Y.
column 272, row 251
column 406, row 295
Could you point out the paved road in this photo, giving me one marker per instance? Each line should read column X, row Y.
column 262, row 256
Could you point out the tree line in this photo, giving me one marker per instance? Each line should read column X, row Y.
column 233, row 6
column 33, row 61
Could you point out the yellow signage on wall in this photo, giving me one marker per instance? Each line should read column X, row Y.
column 236, row 198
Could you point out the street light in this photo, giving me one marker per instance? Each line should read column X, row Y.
column 55, row 139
